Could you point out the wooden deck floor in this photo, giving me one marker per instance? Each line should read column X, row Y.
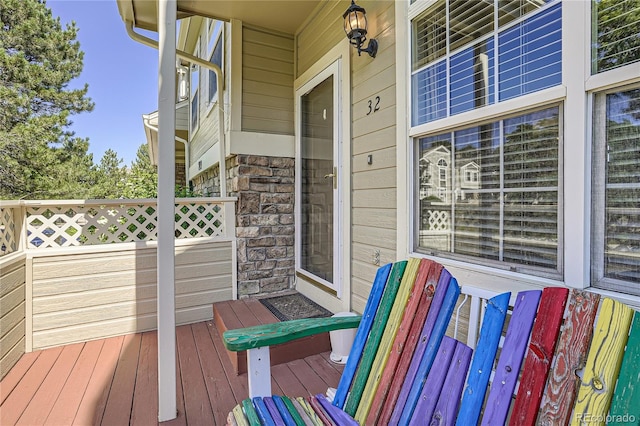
column 114, row 381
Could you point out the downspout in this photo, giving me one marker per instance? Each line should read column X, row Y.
column 221, row 83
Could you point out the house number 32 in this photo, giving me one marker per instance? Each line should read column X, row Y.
column 374, row 105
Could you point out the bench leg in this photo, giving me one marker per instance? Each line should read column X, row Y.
column 259, row 372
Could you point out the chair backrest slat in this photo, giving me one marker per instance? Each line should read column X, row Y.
column 393, row 377
column 446, row 410
column 603, row 361
column 425, row 362
column 626, row 399
column 375, row 336
column 483, row 359
column 407, row 287
column 539, row 355
column 510, row 361
column 370, row 309
column 570, row 356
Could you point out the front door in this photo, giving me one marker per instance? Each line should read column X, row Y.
column 317, row 195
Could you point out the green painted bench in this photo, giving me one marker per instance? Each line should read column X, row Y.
column 538, row 358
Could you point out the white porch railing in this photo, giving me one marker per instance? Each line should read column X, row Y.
column 66, row 223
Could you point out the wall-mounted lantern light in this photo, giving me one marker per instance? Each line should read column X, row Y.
column 355, row 26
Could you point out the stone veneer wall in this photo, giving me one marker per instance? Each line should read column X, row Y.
column 264, row 219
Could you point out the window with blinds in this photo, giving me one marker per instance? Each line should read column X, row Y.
column 616, row 34
column 498, row 202
column 616, row 191
column 521, row 39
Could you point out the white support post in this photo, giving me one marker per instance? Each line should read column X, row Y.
column 259, row 372
column 167, row 402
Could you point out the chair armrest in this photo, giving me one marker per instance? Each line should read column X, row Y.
column 242, row 339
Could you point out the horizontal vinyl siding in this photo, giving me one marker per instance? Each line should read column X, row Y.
column 90, row 296
column 267, row 82
column 373, row 192
column 12, row 313
column 322, row 32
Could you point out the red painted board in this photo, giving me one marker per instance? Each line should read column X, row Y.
column 570, row 356
column 539, row 355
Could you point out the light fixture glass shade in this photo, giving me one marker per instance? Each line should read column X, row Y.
column 355, row 23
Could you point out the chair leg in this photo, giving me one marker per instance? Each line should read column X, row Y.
column 259, row 372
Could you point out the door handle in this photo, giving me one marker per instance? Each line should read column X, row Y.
column 334, row 176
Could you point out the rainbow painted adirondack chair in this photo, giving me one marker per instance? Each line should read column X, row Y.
column 403, row 369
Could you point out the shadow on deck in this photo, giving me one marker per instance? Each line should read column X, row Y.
column 114, row 381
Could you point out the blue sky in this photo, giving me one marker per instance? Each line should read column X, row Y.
column 121, row 73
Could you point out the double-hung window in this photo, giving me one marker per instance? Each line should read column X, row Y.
column 615, row 253
column 215, row 56
column 488, row 193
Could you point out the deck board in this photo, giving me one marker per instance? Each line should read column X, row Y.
column 114, row 381
column 76, row 385
column 94, row 401
column 21, row 396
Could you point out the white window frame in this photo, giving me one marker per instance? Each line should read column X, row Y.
column 215, row 34
column 193, row 128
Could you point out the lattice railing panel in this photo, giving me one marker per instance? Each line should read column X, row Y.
column 8, row 237
column 438, row 220
column 64, row 226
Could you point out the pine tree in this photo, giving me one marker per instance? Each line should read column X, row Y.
column 41, row 158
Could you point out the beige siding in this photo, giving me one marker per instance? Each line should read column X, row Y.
column 79, row 297
column 267, row 82
column 12, row 312
column 373, row 185
column 322, row 32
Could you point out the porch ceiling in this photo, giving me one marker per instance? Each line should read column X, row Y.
column 280, row 15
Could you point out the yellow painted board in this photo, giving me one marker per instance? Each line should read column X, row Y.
column 390, row 331
column 603, row 363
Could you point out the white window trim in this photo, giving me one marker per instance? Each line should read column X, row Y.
column 192, row 93
column 219, row 37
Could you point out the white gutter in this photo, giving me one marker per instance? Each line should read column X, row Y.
column 219, row 76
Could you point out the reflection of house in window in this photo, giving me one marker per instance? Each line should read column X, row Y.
column 470, row 173
column 435, row 176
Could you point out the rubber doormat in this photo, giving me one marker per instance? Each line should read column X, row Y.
column 294, row 306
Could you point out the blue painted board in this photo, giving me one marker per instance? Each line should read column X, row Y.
column 508, row 368
column 262, row 412
column 435, row 380
column 446, row 410
column 421, row 346
column 273, row 410
column 362, row 333
column 480, row 371
column 284, row 411
column 439, row 328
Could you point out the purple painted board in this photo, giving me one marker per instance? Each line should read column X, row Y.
column 435, row 380
column 337, row 415
column 263, row 412
column 508, row 368
column 421, row 346
column 273, row 410
column 446, row 410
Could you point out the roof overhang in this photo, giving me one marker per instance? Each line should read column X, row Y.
column 281, row 15
column 150, row 122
